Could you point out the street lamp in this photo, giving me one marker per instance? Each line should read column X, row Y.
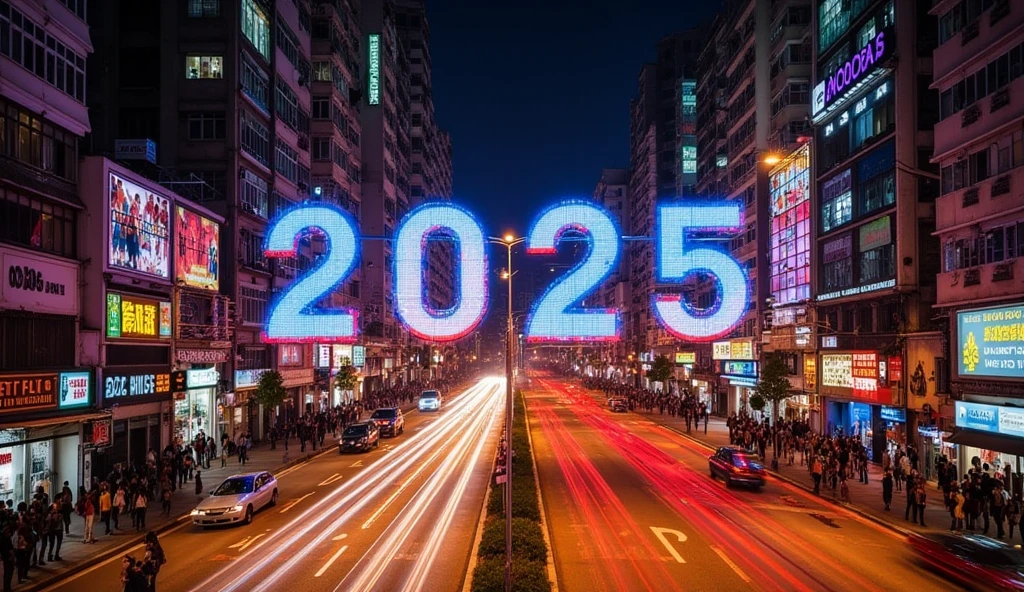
column 509, row 241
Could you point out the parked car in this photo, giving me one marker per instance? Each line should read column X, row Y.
column 236, row 499
column 430, row 401
column 734, row 465
column 619, row 405
column 359, row 436
column 968, row 560
column 389, row 420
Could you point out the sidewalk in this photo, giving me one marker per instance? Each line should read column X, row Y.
column 77, row 556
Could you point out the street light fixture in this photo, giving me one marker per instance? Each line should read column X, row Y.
column 509, row 241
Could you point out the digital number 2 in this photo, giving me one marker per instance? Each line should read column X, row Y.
column 294, row 318
column 558, row 316
column 675, row 263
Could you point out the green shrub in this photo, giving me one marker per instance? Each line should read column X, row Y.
column 524, row 499
column 527, row 539
column 527, row 576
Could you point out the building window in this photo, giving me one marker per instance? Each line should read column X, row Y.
column 877, row 264
column 286, row 162
column 961, row 14
column 287, row 105
column 30, row 46
column 340, row 157
column 75, row 6
column 206, row 66
column 836, row 212
column 837, row 263
column 999, row 72
column 321, row 149
column 321, row 107
column 254, row 310
column 322, row 71
column 876, row 193
column 206, row 125
column 255, row 83
column 34, row 141
column 254, row 193
column 37, row 224
column 255, row 139
column 256, row 27
column 203, row 8
column 254, row 358
column 288, row 42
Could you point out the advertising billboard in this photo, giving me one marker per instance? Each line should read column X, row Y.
column 789, row 186
column 198, row 257
column 837, row 370
column 1008, row 421
column 135, row 317
column 685, row 358
column 139, row 237
column 990, row 342
column 74, row 389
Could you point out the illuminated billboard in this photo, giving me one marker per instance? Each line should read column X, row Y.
column 135, row 317
column 197, row 259
column 789, row 190
column 990, row 342
column 139, row 228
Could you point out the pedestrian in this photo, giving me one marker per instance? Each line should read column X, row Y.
column 8, row 556
column 154, row 560
column 816, row 475
column 106, row 505
column 165, row 503
column 199, row 485
column 22, row 549
column 54, row 533
column 1013, row 512
column 132, row 578
column 956, row 501
column 66, row 507
column 140, row 510
column 887, row 485
column 89, row 513
column 117, row 507
column 921, row 499
column 999, row 502
column 224, row 456
column 911, row 502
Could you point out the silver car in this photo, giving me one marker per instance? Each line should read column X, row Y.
column 237, row 499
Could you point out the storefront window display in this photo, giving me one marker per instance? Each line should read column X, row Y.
column 853, row 419
column 194, row 414
column 24, row 466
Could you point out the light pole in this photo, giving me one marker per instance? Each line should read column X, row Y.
column 509, row 241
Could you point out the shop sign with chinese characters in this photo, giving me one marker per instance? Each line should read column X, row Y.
column 74, row 389
column 991, row 342
column 685, row 358
column 733, row 350
column 135, row 317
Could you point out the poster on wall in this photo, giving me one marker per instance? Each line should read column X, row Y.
column 139, row 228
column 198, row 256
column 991, row 342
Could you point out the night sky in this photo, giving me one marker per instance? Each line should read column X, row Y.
column 536, row 94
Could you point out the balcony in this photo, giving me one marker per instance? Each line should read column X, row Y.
column 989, row 199
column 990, row 281
column 1003, row 18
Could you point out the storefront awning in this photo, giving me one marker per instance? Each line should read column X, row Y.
column 992, row 442
column 52, row 421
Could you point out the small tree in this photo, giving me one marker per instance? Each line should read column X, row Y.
column 345, row 380
column 756, row 402
column 661, row 369
column 773, row 385
column 270, row 392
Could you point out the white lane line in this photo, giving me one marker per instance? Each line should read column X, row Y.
column 295, row 502
column 339, row 537
column 244, row 543
column 331, row 479
column 330, row 561
column 732, row 565
column 357, row 464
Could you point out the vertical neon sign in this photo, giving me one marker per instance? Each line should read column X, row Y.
column 373, row 71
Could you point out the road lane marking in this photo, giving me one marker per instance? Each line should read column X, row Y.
column 357, row 464
column 331, row 479
column 294, row 503
column 330, row 561
column 680, row 537
column 244, row 543
column 732, row 565
column 339, row 537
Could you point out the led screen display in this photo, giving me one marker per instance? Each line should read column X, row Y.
column 139, row 228
column 197, row 260
column 789, row 189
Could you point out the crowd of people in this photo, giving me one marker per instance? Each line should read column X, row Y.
column 681, row 404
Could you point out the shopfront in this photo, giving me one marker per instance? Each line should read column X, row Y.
column 855, row 387
column 990, row 434
column 195, row 405
column 300, row 385
column 139, row 401
column 734, row 362
column 41, row 422
column 934, row 444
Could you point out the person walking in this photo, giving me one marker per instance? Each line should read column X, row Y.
column 921, row 499
column 117, row 506
column 22, row 549
column 1013, row 512
column 816, row 471
column 154, row 560
column 8, row 556
column 106, row 505
column 887, row 485
column 66, row 507
column 140, row 510
column 999, row 503
column 89, row 513
column 54, row 533
column 199, row 485
column 956, row 501
column 911, row 502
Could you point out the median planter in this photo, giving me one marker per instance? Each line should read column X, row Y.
column 529, row 550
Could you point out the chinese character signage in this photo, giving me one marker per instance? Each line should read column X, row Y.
column 733, row 368
column 135, row 317
column 733, row 350
column 24, row 392
column 74, row 389
column 990, row 342
column 139, row 229
column 341, row 355
column 373, row 70
column 685, row 358
column 198, row 256
column 358, row 356
column 810, row 372
column 837, row 370
column 247, row 379
column 864, row 368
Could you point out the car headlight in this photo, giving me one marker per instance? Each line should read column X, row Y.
column 196, row 513
column 236, row 508
column 363, row 439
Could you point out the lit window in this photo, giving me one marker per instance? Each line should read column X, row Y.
column 197, row 67
column 256, row 27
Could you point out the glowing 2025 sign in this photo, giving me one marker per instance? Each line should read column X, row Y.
column 558, row 316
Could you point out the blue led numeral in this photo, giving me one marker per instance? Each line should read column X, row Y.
column 294, row 318
column 440, row 221
column 675, row 263
column 558, row 315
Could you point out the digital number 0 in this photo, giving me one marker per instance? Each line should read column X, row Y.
column 442, row 221
column 675, row 263
column 558, row 315
column 294, row 316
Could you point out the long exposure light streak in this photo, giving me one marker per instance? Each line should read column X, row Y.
column 351, row 496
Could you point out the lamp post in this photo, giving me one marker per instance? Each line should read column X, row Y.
column 509, row 241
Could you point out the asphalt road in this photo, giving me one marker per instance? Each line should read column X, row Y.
column 631, row 506
column 402, row 517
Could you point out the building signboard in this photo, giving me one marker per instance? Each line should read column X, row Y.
column 26, row 392
column 202, row 356
column 248, row 379
column 297, row 377
column 995, row 419
column 741, row 349
column 38, row 284
column 744, row 368
column 895, row 414
column 74, row 390
column 373, row 70
column 859, row 69
column 685, row 358
column 810, row 372
column 135, row 317
column 135, row 386
column 837, row 370
column 990, row 342
column 358, row 356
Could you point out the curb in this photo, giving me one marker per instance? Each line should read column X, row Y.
column 552, row 574
column 795, row 483
column 140, row 539
column 474, row 555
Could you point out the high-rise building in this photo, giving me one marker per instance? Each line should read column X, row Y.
column 979, row 75
column 612, row 192
column 875, row 255
column 48, row 387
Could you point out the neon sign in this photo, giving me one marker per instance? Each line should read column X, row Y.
column 440, row 221
column 373, row 71
column 857, row 70
column 559, row 316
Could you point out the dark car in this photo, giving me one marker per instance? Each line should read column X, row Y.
column 734, row 465
column 389, row 420
column 619, row 405
column 972, row 560
column 359, row 436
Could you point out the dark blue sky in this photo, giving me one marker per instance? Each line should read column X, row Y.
column 536, row 93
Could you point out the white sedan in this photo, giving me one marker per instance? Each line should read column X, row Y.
column 237, row 499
